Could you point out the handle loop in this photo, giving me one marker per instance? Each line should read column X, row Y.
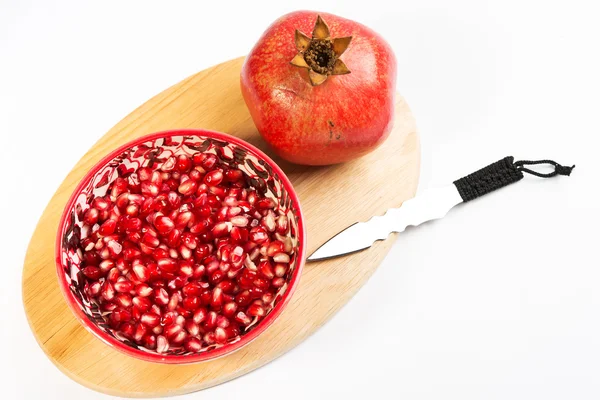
column 503, row 173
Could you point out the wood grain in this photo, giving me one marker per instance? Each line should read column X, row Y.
column 331, row 197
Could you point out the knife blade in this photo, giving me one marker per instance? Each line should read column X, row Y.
column 432, row 204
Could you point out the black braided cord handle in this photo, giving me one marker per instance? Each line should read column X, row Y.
column 502, row 173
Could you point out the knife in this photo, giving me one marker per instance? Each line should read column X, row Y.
column 432, row 204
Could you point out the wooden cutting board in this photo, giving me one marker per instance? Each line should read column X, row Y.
column 331, row 197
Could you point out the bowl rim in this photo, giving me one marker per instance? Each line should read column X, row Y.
column 208, row 355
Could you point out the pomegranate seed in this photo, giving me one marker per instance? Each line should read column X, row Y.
column 93, row 273
column 183, row 163
column 161, row 296
column 214, row 177
column 221, row 229
column 240, row 221
column 172, row 330
column 143, row 290
column 233, row 175
column 127, row 329
column 193, row 345
column 209, row 338
column 265, row 203
column 167, row 264
column 280, row 270
column 282, row 225
column 162, row 344
column 123, row 286
column 108, row 292
column 266, row 269
column 123, row 300
column 281, row 258
column 121, row 315
column 108, row 227
column 142, row 303
column 141, row 272
column 220, row 335
column 242, row 318
column 100, row 204
column 256, row 310
column 150, row 320
column 217, row 298
column 163, row 224
column 91, row 216
column 192, row 328
column 229, row 309
column 268, row 222
column 278, row 282
column 211, row 320
column 173, row 302
column 191, row 303
column 188, row 187
column 94, row 289
column 149, row 341
column 200, row 315
column 258, row 235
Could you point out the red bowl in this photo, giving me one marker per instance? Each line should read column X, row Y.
column 234, row 151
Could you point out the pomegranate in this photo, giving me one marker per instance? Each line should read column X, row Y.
column 169, row 255
column 320, row 99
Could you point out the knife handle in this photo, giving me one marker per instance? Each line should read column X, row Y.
column 502, row 173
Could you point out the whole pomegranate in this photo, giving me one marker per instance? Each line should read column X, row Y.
column 324, row 98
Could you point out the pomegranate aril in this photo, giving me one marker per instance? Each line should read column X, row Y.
column 167, row 264
column 229, row 309
column 163, row 224
column 91, row 216
column 108, row 291
column 209, row 338
column 258, row 235
column 278, row 282
column 93, row 273
column 162, row 344
column 143, row 290
column 123, row 286
column 183, row 163
column 141, row 303
column 150, row 320
column 214, row 177
column 280, row 270
column 150, row 240
column 121, row 315
column 265, row 203
column 281, row 258
column 266, row 269
column 220, row 335
column 242, row 318
column 131, row 253
column 123, row 300
column 192, row 328
column 188, row 187
column 161, row 296
column 211, row 320
column 173, row 302
column 172, row 330
column 256, row 311
column 94, row 289
column 108, row 227
column 268, row 222
column 200, row 315
column 100, row 204
column 233, row 175
column 149, row 341
column 221, row 229
column 217, row 298
column 191, row 303
column 192, row 344
column 127, row 329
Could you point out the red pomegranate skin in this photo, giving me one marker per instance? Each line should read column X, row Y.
column 345, row 117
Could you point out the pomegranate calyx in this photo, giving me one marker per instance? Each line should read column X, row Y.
column 320, row 54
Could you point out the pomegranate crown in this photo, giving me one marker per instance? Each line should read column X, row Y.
column 320, row 53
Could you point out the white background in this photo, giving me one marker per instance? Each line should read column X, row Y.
column 499, row 300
